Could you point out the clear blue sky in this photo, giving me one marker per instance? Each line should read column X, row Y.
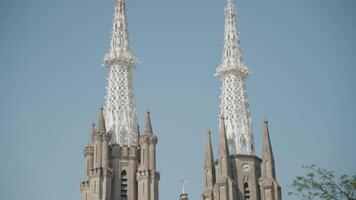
column 301, row 52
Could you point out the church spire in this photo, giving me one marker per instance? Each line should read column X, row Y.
column 120, row 49
column 223, row 155
column 209, row 167
column 148, row 126
column 232, row 54
column 120, row 113
column 268, row 159
column 234, row 103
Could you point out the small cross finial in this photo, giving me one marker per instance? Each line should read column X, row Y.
column 184, row 182
column 93, row 127
column 265, row 120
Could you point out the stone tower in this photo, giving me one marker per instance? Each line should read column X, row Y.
column 120, row 163
column 236, row 173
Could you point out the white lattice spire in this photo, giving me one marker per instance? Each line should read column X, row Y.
column 234, row 104
column 120, row 113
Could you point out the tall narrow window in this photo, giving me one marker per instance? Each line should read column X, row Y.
column 123, row 185
column 87, row 166
column 143, row 188
column 96, row 153
column 143, row 155
column 246, row 191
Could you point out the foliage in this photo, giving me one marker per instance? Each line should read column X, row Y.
column 321, row 183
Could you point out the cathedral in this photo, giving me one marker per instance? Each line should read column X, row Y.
column 120, row 162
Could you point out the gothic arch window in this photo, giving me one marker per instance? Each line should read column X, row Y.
column 123, row 185
column 247, row 191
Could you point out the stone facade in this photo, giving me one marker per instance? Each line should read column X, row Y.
column 115, row 172
column 239, row 176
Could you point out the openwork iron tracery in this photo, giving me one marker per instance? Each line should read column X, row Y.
column 234, row 103
column 120, row 113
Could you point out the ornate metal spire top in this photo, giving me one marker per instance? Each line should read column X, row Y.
column 120, row 113
column 234, row 104
column 120, row 49
column 232, row 55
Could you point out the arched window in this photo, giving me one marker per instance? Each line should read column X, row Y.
column 123, row 185
column 246, row 191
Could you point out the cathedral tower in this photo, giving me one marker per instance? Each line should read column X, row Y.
column 120, row 164
column 236, row 173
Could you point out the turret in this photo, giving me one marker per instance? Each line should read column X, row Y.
column 147, row 176
column 106, row 136
column 225, row 187
column 268, row 159
column 209, row 169
column 148, row 126
column 223, row 155
column 269, row 187
column 100, row 142
column 97, row 147
column 88, row 155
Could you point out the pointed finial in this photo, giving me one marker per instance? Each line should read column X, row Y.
column 265, row 120
column 101, row 121
column 93, row 127
column 230, row 2
column 223, row 147
column 223, row 154
column 209, row 162
column 138, row 129
column 184, row 182
column 148, row 125
column 209, row 159
column 268, row 158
